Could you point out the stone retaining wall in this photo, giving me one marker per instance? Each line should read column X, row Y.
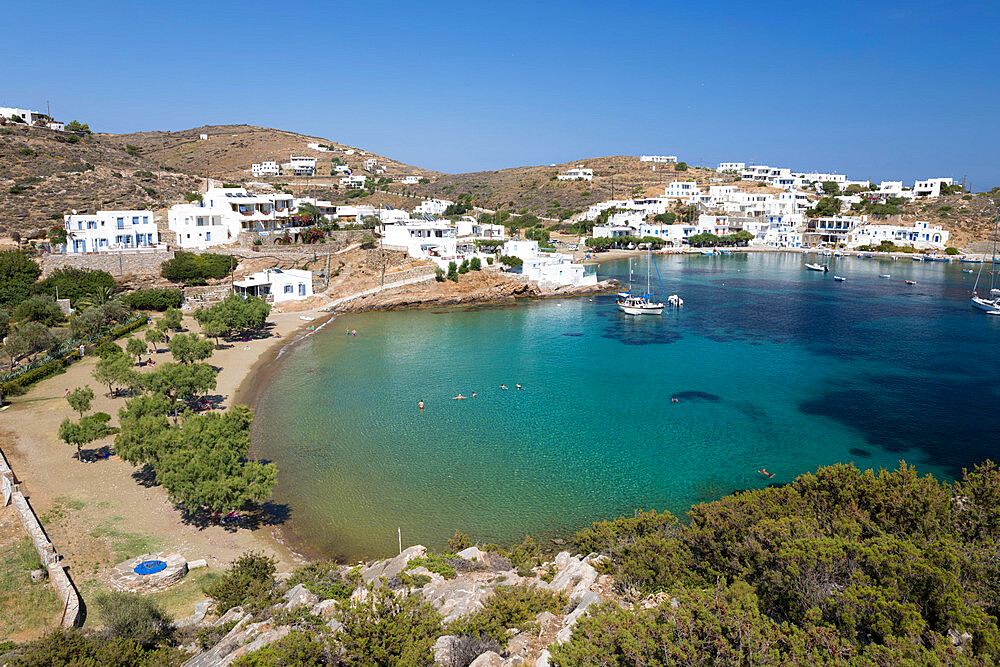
column 116, row 263
column 72, row 615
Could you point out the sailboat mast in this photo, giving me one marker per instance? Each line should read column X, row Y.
column 993, row 259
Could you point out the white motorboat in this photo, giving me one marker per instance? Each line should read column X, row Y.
column 675, row 301
column 991, row 303
column 839, row 279
column 885, row 275
column 817, row 267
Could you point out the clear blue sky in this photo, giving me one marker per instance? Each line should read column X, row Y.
column 877, row 90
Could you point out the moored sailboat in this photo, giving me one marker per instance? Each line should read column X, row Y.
column 990, row 303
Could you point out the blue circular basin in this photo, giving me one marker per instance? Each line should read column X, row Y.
column 150, row 567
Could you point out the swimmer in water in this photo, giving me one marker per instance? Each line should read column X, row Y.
column 518, row 385
column 674, row 400
column 503, row 386
column 421, row 405
column 459, row 397
column 763, row 471
column 473, row 394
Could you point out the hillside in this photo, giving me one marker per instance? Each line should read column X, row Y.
column 535, row 190
column 968, row 217
column 44, row 174
column 231, row 149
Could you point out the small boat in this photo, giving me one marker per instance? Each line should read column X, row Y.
column 838, row 254
column 725, row 252
column 675, row 301
column 868, row 255
column 911, row 282
column 817, row 267
column 971, row 260
column 967, row 271
column 990, row 304
column 839, row 279
column 639, row 305
column 306, row 318
column 918, row 258
column 707, row 252
column 884, row 275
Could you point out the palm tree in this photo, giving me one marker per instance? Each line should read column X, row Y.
column 98, row 298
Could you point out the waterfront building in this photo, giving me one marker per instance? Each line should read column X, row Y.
column 577, row 174
column 109, row 231
column 225, row 212
column 832, row 230
column 423, row 239
column 266, row 168
column 276, row 285
column 659, row 159
column 920, row 235
column 549, row 269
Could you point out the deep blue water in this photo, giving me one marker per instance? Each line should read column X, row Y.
column 771, row 366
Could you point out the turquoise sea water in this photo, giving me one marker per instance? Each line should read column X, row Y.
column 772, row 366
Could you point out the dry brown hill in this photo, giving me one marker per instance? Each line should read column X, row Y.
column 535, row 190
column 969, row 217
column 229, row 151
column 44, row 174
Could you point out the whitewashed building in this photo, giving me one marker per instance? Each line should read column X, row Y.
column 423, row 239
column 549, row 269
column 276, row 285
column 27, row 115
column 266, row 168
column 930, row 187
column 108, row 231
column 225, row 212
column 409, row 180
column 737, row 167
column 432, row 207
column 920, row 235
column 577, row 174
column 659, row 159
column 687, row 191
column 301, row 165
column 354, row 181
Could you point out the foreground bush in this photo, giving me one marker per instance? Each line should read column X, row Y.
column 249, row 582
column 386, row 629
column 75, row 648
column 132, row 616
column 509, row 607
column 299, row 648
column 881, row 562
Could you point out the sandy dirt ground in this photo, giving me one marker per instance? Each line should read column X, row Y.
column 98, row 514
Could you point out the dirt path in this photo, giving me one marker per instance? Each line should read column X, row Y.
column 98, row 514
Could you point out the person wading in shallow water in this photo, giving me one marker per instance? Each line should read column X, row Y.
column 421, row 405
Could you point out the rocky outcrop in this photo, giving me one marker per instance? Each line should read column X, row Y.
column 455, row 598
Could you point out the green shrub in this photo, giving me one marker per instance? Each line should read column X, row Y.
column 388, row 629
column 681, row 166
column 439, row 274
column 72, row 647
column 324, row 579
column 414, row 580
column 76, row 284
column 299, row 648
column 511, row 261
column 509, row 607
column 443, row 564
column 452, row 272
column 464, row 268
column 154, row 299
column 189, row 266
column 951, row 251
column 20, row 384
column 459, row 542
column 249, row 582
column 132, row 616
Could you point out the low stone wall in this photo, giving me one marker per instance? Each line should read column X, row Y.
column 115, row 263
column 71, row 616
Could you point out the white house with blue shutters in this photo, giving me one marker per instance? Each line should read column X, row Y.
column 276, row 285
column 108, row 231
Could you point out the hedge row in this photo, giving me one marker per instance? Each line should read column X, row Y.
column 154, row 299
column 20, row 384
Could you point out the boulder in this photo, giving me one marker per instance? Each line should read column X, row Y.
column 519, row 645
column 324, row 608
column 546, row 619
column 300, row 595
column 334, row 625
column 564, row 635
column 588, row 599
column 562, row 559
column 194, row 564
column 394, row 566
column 543, row 659
column 576, row 575
column 456, row 598
column 443, row 649
column 488, row 659
column 473, row 553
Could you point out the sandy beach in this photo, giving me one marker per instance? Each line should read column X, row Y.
column 100, row 513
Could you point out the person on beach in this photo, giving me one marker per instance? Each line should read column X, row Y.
column 420, row 405
column 459, row 398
